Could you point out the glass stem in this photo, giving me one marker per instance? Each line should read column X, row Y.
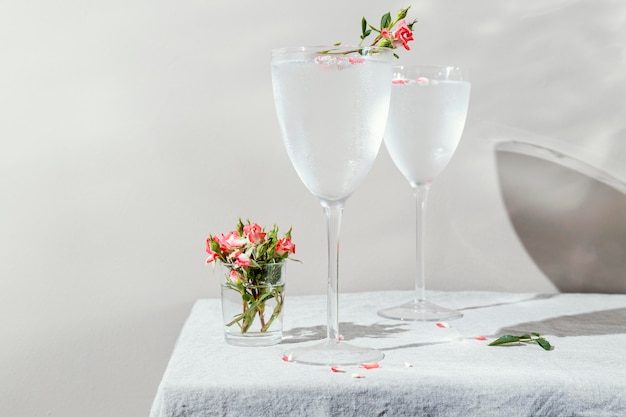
column 333, row 221
column 421, row 199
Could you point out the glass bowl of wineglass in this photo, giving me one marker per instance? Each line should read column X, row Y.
column 425, row 124
column 332, row 104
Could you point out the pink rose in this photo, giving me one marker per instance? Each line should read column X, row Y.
column 212, row 254
column 285, row 245
column 212, row 257
column 234, row 276
column 385, row 34
column 403, row 34
column 230, row 241
column 254, row 233
column 241, row 259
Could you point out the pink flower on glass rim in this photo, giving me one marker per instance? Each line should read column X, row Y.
column 241, row 259
column 285, row 245
column 230, row 241
column 403, row 34
column 356, row 60
column 393, row 31
column 254, row 233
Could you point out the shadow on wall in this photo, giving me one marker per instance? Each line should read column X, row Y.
column 569, row 215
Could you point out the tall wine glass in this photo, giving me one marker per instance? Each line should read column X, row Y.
column 426, row 119
column 332, row 104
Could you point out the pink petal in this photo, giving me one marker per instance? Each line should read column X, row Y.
column 287, row 358
column 337, row 369
column 480, row 338
column 373, row 365
column 442, row 324
column 358, row 376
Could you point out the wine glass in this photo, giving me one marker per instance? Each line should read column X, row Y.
column 332, row 104
column 426, row 119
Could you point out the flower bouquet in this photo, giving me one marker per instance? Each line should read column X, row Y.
column 252, row 264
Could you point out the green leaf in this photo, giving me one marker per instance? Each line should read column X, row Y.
column 544, row 343
column 363, row 26
column 504, row 340
column 388, row 43
column 525, row 338
column 215, row 247
column 385, row 20
column 237, row 318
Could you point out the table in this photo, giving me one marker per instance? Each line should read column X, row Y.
column 427, row 370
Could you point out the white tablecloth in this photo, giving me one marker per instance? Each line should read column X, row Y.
column 452, row 373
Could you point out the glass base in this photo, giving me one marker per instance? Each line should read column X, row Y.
column 332, row 353
column 254, row 339
column 420, row 311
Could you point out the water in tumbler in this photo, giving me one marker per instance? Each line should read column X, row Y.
column 332, row 112
column 425, row 125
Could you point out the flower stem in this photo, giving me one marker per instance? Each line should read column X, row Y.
column 262, row 315
column 278, row 295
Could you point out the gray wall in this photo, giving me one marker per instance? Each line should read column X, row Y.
column 129, row 130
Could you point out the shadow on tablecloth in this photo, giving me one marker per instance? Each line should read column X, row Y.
column 596, row 323
column 349, row 330
column 535, row 297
